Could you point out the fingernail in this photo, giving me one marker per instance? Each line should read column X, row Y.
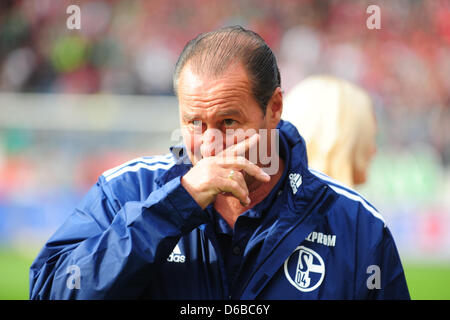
column 264, row 174
column 248, row 201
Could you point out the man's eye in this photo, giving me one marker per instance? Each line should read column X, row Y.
column 229, row 122
column 197, row 123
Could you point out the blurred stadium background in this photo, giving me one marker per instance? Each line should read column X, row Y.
column 74, row 103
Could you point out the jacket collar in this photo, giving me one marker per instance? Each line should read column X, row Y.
column 301, row 185
column 182, row 165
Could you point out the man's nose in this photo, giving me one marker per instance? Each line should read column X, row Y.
column 212, row 142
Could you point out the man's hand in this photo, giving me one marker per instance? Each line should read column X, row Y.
column 211, row 175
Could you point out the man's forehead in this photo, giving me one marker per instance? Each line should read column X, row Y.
column 221, row 95
column 191, row 82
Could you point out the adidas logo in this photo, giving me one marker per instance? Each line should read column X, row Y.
column 296, row 181
column 176, row 256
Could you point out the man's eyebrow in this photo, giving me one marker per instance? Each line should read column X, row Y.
column 220, row 114
column 189, row 117
column 229, row 112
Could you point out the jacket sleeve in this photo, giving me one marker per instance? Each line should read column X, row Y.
column 102, row 253
column 379, row 271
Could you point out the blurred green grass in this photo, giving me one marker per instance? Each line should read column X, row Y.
column 426, row 281
column 14, row 267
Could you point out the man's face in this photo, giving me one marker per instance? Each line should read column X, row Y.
column 215, row 111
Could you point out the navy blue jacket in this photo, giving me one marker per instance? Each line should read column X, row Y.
column 139, row 234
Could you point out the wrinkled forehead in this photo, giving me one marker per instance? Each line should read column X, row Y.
column 191, row 81
column 205, row 91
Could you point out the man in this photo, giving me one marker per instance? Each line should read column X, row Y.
column 205, row 222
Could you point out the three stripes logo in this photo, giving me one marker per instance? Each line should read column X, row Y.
column 296, row 181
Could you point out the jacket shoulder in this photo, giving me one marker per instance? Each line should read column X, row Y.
column 134, row 180
column 354, row 205
column 354, row 218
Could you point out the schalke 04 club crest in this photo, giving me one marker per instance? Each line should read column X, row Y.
column 304, row 269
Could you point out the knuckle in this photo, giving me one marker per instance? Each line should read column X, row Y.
column 242, row 160
column 234, row 184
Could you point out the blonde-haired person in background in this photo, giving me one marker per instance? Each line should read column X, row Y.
column 337, row 121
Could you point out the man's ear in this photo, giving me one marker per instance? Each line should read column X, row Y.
column 274, row 109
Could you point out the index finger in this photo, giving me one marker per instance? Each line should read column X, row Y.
column 239, row 149
column 241, row 163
